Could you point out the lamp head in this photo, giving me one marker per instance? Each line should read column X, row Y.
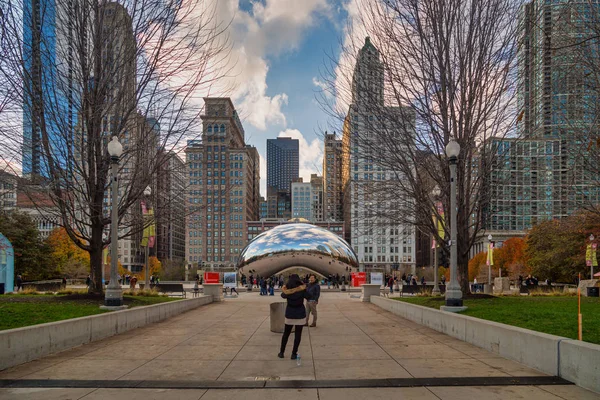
column 591, row 237
column 490, row 237
column 115, row 148
column 148, row 191
column 436, row 191
column 452, row 149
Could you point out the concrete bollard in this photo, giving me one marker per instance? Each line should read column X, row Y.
column 277, row 316
column 215, row 290
column 369, row 290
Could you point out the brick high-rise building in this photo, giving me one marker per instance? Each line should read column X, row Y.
column 223, row 188
column 316, row 185
column 333, row 193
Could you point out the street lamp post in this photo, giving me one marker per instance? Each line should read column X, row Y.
column 489, row 262
column 114, row 294
column 592, row 253
column 454, row 300
column 436, row 287
column 147, row 193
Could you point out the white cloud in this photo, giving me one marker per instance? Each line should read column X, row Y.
column 270, row 29
column 311, row 154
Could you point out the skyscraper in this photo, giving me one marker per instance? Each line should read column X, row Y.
column 49, row 91
column 333, row 193
column 170, row 205
column 316, row 186
column 282, row 162
column 379, row 241
column 223, row 190
column 541, row 175
column 302, row 200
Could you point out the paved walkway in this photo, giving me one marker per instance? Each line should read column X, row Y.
column 230, row 344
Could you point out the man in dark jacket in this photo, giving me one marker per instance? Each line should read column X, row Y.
column 314, row 292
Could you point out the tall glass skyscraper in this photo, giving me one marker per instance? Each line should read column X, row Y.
column 541, row 175
column 282, row 162
column 48, row 84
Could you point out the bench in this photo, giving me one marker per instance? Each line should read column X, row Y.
column 44, row 286
column 526, row 289
column 168, row 288
column 415, row 289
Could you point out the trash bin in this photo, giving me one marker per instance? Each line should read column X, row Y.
column 1, row 288
column 593, row 291
column 278, row 316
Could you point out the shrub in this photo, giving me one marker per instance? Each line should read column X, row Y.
column 29, row 291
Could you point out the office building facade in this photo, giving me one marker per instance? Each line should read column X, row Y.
column 302, row 200
column 282, row 162
column 171, row 182
column 379, row 242
column 542, row 175
column 333, row 193
column 223, row 188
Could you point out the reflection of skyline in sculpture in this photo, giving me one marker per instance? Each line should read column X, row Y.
column 297, row 245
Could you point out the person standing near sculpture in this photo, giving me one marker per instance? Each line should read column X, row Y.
column 295, row 313
column 314, row 292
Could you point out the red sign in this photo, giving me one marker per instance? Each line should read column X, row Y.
column 211, row 277
column 358, row 278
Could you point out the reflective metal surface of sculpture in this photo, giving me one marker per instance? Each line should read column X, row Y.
column 297, row 245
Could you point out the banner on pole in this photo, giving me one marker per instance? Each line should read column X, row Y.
column 490, row 255
column 590, row 255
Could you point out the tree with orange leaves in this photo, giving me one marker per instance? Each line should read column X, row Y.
column 511, row 258
column 66, row 256
column 475, row 265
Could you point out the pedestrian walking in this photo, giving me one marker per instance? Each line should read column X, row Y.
column 20, row 282
column 391, row 284
column 295, row 313
column 314, row 292
column 88, row 281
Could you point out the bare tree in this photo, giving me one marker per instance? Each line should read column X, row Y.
column 81, row 71
column 447, row 70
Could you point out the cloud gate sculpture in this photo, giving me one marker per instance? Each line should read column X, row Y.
column 297, row 245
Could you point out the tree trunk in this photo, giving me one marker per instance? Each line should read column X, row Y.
column 463, row 272
column 96, row 260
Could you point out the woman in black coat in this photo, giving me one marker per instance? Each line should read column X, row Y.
column 295, row 313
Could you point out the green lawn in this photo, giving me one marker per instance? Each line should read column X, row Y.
column 24, row 310
column 553, row 315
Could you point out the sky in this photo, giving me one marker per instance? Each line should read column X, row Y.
column 280, row 53
column 282, row 48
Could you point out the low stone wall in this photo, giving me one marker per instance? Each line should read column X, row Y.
column 570, row 359
column 21, row 345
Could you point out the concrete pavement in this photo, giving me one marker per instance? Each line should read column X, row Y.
column 230, row 344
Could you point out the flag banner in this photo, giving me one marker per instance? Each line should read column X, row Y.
column 433, row 244
column 590, row 255
column 490, row 255
column 105, row 255
column 149, row 235
column 440, row 221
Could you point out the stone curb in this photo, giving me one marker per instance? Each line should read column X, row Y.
column 21, row 345
column 575, row 361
